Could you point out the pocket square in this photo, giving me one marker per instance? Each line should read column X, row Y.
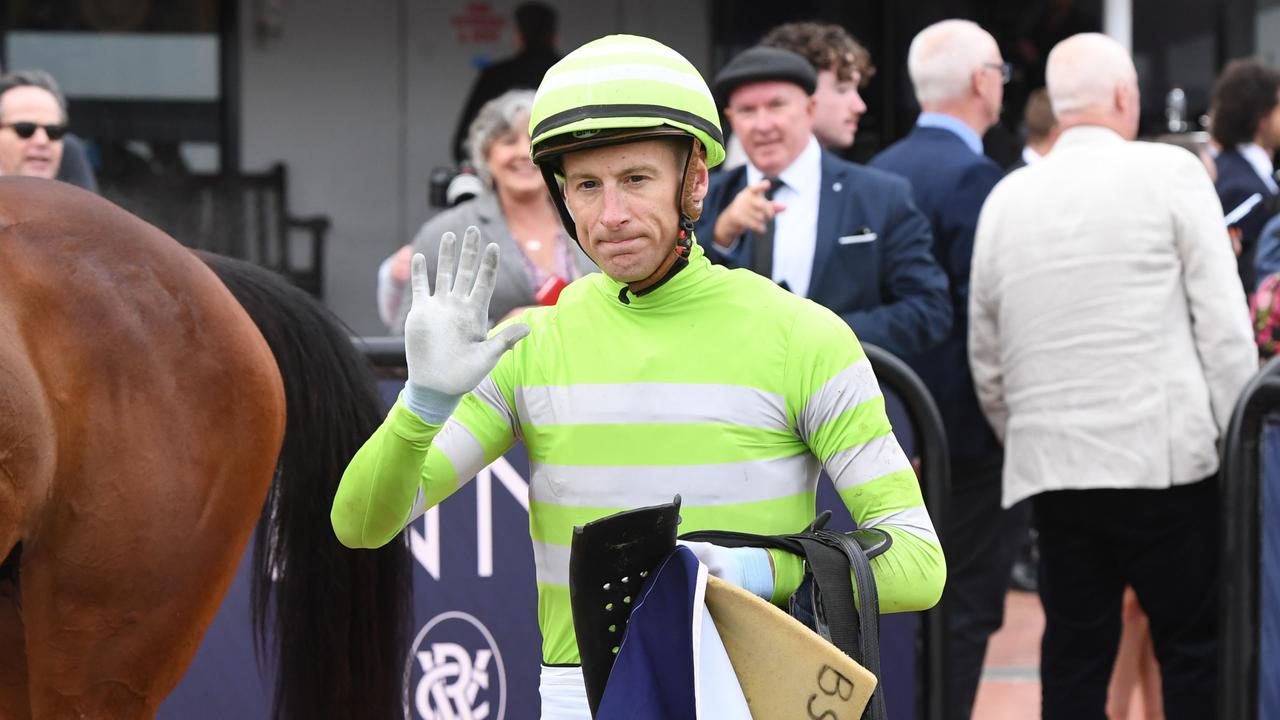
column 865, row 237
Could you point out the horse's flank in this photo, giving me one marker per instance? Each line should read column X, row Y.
column 141, row 417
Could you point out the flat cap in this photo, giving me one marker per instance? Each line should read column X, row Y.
column 760, row 64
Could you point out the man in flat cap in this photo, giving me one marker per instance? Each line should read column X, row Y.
column 842, row 235
column 842, row 66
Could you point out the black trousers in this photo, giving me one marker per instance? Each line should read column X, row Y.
column 1165, row 544
column 979, row 539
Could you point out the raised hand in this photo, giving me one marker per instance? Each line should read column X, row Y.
column 750, row 210
column 445, row 333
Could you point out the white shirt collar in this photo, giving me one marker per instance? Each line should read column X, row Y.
column 1030, row 156
column 796, row 228
column 804, row 174
column 1260, row 161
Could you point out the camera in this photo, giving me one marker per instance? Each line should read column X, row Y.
column 448, row 186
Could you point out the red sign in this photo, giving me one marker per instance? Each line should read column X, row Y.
column 478, row 23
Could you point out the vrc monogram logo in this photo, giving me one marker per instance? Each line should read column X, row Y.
column 458, row 671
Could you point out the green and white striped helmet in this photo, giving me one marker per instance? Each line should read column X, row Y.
column 622, row 88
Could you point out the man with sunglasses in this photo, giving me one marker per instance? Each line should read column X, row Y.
column 33, row 121
column 958, row 75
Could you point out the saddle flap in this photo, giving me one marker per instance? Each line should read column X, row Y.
column 609, row 562
column 785, row 669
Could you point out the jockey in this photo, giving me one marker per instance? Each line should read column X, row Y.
column 661, row 375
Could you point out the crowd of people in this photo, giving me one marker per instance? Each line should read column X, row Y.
column 1081, row 316
column 1084, row 318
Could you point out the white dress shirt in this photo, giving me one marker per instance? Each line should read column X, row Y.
column 1260, row 161
column 795, row 234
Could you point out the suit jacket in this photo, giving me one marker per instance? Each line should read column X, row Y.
column 75, row 167
column 950, row 182
column 1236, row 181
column 1108, row 332
column 512, row 288
column 1267, row 259
column 872, row 263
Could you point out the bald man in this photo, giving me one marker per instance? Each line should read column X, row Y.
column 958, row 75
column 1109, row 340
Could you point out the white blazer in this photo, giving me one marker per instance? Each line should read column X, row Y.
column 1109, row 336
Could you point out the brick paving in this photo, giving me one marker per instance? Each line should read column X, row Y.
column 1010, row 688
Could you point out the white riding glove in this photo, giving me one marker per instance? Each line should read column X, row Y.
column 444, row 334
column 747, row 567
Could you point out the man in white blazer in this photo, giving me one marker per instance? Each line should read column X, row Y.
column 1109, row 340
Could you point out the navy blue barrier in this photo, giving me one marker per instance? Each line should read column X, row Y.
column 1249, row 668
column 224, row 680
column 1269, row 650
column 476, row 645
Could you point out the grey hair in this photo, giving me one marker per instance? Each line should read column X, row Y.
column 1083, row 72
column 33, row 78
column 943, row 57
column 495, row 119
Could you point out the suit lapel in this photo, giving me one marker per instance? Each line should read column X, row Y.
column 734, row 181
column 512, row 276
column 738, row 182
column 1244, row 167
column 832, row 201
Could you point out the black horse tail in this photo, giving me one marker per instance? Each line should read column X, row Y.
column 341, row 626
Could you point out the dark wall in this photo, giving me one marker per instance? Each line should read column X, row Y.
column 1175, row 42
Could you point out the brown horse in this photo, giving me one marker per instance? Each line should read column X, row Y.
column 146, row 403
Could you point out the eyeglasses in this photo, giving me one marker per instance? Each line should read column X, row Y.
column 26, row 130
column 1006, row 70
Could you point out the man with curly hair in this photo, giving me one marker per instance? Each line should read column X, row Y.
column 1246, row 124
column 843, row 66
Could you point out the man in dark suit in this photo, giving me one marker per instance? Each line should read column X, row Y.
column 958, row 76
column 1246, row 125
column 535, row 36
column 845, row 236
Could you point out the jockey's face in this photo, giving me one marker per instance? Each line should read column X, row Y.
column 36, row 155
column 624, row 205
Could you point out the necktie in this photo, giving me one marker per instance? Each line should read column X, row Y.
column 762, row 247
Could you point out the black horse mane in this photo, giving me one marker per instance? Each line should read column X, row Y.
column 9, row 569
column 340, row 636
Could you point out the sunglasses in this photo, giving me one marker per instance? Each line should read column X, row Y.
column 26, row 130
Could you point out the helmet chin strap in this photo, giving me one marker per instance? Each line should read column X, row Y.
column 557, row 198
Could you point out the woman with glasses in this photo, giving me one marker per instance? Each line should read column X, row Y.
column 538, row 257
